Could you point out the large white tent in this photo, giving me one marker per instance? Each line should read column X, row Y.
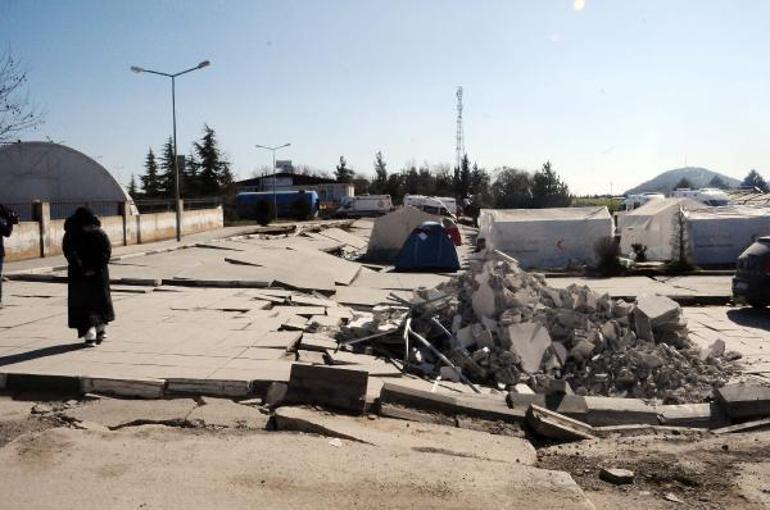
column 546, row 238
column 719, row 234
column 652, row 225
column 390, row 232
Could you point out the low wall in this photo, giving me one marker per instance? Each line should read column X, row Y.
column 26, row 243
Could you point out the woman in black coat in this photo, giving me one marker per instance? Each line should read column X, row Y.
column 88, row 250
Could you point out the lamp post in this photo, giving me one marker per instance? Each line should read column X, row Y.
column 173, row 77
column 273, row 149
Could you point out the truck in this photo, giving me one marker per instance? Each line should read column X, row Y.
column 445, row 206
column 295, row 204
column 366, row 205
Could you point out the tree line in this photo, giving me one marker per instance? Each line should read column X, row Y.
column 206, row 171
column 504, row 187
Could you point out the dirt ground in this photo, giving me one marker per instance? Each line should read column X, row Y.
column 730, row 471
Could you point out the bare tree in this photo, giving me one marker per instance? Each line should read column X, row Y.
column 16, row 112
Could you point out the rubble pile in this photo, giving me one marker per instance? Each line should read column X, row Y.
column 509, row 327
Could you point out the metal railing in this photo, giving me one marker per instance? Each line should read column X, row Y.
column 168, row 205
column 62, row 210
column 25, row 211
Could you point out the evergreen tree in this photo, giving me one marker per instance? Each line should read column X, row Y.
column 342, row 173
column 132, row 190
column 683, row 183
column 718, row 182
column 480, row 187
column 380, row 174
column 754, row 180
column 548, row 190
column 167, row 178
column 214, row 172
column 191, row 186
column 463, row 178
column 150, row 180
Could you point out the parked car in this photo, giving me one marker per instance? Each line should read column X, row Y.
column 751, row 283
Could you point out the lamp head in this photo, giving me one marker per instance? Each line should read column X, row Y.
column 137, row 69
column 203, row 64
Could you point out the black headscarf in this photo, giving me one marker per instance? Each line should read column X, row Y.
column 82, row 218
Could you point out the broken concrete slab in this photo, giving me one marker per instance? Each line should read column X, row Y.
column 129, row 388
column 476, row 406
column 658, row 309
column 217, row 412
column 529, row 341
column 427, row 438
column 706, row 415
column 749, row 426
column 336, row 387
column 744, row 401
column 194, row 468
column 602, row 411
column 557, row 426
column 617, row 476
column 212, row 387
column 118, row 413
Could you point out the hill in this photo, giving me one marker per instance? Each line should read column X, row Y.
column 699, row 177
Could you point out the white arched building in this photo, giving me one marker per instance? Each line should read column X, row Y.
column 57, row 174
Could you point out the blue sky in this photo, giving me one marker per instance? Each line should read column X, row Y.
column 611, row 91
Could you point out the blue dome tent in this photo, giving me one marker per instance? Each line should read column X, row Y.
column 428, row 248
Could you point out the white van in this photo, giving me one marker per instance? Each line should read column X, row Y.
column 708, row 196
column 366, row 205
column 434, row 205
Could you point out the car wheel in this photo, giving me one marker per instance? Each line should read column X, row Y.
column 758, row 305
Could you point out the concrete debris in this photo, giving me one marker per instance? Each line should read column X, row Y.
column 617, row 476
column 553, row 425
column 745, row 401
column 506, row 326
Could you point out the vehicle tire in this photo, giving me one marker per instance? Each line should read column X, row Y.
column 758, row 305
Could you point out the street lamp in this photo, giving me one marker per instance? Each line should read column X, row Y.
column 273, row 149
column 173, row 76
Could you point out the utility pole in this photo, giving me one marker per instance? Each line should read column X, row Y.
column 177, row 192
column 460, row 136
column 275, row 196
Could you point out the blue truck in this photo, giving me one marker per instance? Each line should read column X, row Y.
column 299, row 205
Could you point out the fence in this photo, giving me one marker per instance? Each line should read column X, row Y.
column 40, row 232
column 167, row 205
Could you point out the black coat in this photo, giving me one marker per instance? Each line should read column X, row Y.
column 88, row 250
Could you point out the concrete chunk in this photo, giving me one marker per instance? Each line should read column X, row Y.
column 617, row 476
column 557, row 426
column 529, row 341
column 745, row 401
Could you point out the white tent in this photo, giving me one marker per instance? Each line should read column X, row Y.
column 390, row 232
column 546, row 238
column 719, row 234
column 652, row 225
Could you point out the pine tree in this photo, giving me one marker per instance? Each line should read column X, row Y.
column 380, row 174
column 132, row 190
column 190, row 172
column 214, row 171
column 167, row 178
column 718, row 182
column 342, row 172
column 548, row 190
column 684, row 183
column 150, row 180
column 754, row 180
column 681, row 249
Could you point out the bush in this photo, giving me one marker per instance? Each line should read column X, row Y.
column 607, row 250
column 264, row 212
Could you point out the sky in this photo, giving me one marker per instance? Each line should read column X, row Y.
column 612, row 92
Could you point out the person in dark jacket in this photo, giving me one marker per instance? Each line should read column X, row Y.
column 8, row 219
column 88, row 250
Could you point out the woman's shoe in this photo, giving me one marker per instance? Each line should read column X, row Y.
column 90, row 336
